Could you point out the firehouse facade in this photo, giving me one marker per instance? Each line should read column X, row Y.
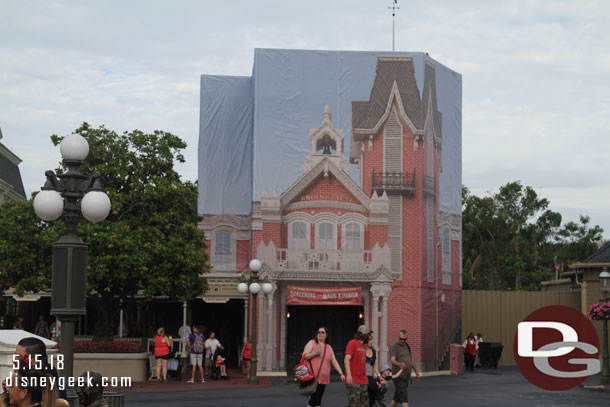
column 341, row 252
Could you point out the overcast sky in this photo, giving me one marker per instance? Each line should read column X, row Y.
column 536, row 91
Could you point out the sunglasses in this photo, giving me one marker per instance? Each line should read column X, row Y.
column 402, row 339
column 322, row 332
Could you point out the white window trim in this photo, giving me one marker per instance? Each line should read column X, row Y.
column 344, row 234
column 232, row 244
column 317, row 226
column 307, row 231
column 446, row 268
column 401, row 137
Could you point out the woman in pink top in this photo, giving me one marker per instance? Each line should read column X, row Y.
column 313, row 353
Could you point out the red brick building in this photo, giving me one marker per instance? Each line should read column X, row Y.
column 340, row 253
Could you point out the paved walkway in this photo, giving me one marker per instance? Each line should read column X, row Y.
column 238, row 379
column 502, row 387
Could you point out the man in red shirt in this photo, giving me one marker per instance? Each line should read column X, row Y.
column 355, row 368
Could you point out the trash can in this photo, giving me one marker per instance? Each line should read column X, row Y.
column 490, row 353
column 114, row 399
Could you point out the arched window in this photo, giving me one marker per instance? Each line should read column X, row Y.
column 352, row 236
column 299, row 236
column 222, row 251
column 326, row 236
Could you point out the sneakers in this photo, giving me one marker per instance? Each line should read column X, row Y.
column 191, row 381
column 202, row 380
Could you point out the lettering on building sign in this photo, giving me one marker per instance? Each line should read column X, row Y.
column 326, row 197
column 308, row 295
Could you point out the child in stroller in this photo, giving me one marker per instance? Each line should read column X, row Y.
column 219, row 369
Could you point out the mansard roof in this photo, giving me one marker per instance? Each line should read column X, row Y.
column 395, row 78
column 9, row 170
column 390, row 70
column 429, row 103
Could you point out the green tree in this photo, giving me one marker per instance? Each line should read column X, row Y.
column 575, row 242
column 25, row 248
column 150, row 243
column 511, row 240
column 518, row 205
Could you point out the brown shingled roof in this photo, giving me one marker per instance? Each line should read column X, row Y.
column 390, row 70
column 430, row 93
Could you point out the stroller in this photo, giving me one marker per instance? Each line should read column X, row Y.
column 216, row 369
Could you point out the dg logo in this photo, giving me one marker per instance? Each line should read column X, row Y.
column 556, row 348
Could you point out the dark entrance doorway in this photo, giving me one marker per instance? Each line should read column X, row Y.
column 341, row 320
column 226, row 320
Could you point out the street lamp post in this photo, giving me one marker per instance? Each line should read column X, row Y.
column 604, row 284
column 69, row 275
column 254, row 286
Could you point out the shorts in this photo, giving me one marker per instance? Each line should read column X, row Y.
column 196, row 359
column 208, row 362
column 165, row 357
column 402, row 394
column 358, row 395
column 247, row 359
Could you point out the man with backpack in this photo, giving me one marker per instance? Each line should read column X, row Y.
column 196, row 343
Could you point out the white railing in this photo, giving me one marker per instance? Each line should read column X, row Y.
column 334, row 260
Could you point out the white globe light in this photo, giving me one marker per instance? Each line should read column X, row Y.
column 242, row 288
column 255, row 265
column 74, row 147
column 48, row 205
column 255, row 288
column 95, row 206
column 267, row 287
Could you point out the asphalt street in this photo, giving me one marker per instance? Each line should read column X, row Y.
column 500, row 387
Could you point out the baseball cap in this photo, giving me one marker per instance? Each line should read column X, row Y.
column 385, row 366
column 363, row 329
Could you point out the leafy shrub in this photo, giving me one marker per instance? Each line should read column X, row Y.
column 107, row 347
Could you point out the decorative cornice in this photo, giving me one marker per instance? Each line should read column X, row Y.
column 12, row 157
column 237, row 222
column 453, row 221
column 324, row 275
column 329, row 275
column 325, row 205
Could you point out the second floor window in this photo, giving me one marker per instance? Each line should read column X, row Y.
column 446, row 266
column 299, row 236
column 326, row 237
column 222, row 251
column 352, row 236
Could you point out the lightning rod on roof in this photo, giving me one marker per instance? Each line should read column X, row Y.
column 393, row 8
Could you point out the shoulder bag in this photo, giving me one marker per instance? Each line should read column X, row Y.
column 307, row 388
